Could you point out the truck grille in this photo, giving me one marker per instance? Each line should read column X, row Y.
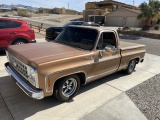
column 49, row 35
column 19, row 66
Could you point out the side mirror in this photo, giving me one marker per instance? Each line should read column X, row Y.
column 110, row 48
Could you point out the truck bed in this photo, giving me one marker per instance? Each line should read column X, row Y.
column 131, row 51
column 128, row 45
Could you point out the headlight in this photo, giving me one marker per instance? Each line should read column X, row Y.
column 32, row 75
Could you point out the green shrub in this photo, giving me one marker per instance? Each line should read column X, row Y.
column 5, row 16
column 119, row 28
column 126, row 28
column 146, row 27
column 156, row 27
column 23, row 13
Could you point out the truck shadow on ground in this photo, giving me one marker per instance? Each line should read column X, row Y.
column 21, row 106
column 2, row 53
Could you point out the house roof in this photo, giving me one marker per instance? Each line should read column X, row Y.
column 93, row 27
column 112, row 1
column 132, row 10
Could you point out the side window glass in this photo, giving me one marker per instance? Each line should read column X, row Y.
column 99, row 45
column 17, row 24
column 2, row 24
column 109, row 40
column 10, row 24
column 6, row 24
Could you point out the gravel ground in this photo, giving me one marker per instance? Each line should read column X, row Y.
column 146, row 97
column 152, row 45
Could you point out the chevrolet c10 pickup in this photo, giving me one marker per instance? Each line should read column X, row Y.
column 79, row 55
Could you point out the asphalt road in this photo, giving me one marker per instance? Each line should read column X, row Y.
column 152, row 45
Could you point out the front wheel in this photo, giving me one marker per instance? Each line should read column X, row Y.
column 131, row 66
column 67, row 88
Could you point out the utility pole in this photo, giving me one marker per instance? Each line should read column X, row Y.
column 68, row 5
column 133, row 2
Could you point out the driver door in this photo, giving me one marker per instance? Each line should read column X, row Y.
column 107, row 55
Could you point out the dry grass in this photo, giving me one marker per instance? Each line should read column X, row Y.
column 39, row 34
column 23, row 13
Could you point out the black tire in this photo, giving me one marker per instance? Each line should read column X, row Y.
column 19, row 42
column 66, row 88
column 131, row 67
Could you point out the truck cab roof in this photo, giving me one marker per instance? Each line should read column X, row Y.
column 96, row 28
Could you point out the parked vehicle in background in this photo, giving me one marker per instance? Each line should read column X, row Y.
column 15, row 32
column 53, row 32
column 79, row 55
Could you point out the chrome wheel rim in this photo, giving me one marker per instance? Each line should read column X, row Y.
column 20, row 43
column 132, row 65
column 69, row 87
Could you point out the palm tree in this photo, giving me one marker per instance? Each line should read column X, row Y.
column 149, row 12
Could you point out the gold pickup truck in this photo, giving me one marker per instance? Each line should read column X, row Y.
column 76, row 57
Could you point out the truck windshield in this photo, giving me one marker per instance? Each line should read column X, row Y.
column 78, row 37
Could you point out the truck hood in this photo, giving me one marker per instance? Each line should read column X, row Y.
column 39, row 53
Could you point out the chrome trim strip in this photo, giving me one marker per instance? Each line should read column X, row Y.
column 106, row 72
column 7, row 56
column 36, row 94
column 101, row 74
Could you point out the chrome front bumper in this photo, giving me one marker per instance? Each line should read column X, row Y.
column 36, row 94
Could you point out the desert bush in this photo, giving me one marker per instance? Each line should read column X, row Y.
column 23, row 13
column 146, row 27
column 126, row 28
column 157, row 27
column 119, row 28
column 5, row 16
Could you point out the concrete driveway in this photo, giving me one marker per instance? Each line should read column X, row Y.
column 102, row 99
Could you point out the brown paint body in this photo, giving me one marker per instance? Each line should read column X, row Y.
column 54, row 60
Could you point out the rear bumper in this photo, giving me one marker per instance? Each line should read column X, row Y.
column 36, row 94
column 32, row 41
column 141, row 60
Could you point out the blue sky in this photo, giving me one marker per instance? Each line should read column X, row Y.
column 74, row 4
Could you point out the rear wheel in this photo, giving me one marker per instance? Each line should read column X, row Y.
column 131, row 66
column 19, row 42
column 67, row 88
